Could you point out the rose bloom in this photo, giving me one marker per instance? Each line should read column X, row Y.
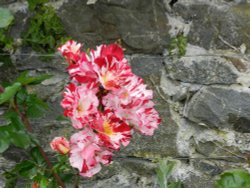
column 133, row 93
column 60, row 145
column 110, row 65
column 112, row 130
column 86, row 154
column 71, row 51
column 112, row 50
column 111, row 72
column 80, row 104
column 107, row 101
column 83, row 71
column 138, row 113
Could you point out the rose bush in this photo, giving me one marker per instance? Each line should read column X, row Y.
column 106, row 102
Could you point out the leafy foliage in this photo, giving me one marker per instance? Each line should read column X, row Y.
column 164, row 172
column 11, row 180
column 31, row 104
column 26, row 79
column 9, row 135
column 5, row 41
column 34, row 4
column 9, row 92
column 234, row 179
column 5, row 17
column 25, row 105
column 178, row 45
column 45, row 32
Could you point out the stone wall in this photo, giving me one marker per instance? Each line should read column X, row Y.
column 203, row 98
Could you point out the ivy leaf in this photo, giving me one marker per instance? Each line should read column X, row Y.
column 25, row 79
column 5, row 17
column 9, row 92
column 234, row 179
column 20, row 139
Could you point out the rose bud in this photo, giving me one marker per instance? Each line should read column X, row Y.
column 60, row 145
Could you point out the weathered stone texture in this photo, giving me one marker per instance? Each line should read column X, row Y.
column 141, row 25
column 202, row 70
column 215, row 25
column 221, row 107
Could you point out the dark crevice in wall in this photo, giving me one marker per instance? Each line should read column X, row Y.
column 172, row 2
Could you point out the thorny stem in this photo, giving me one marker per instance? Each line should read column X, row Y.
column 28, row 126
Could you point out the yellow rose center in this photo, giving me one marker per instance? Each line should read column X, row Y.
column 107, row 128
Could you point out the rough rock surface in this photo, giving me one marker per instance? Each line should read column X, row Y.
column 202, row 70
column 223, row 24
column 221, row 107
column 141, row 25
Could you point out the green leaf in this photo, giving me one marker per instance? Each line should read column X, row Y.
column 62, row 164
column 52, row 184
column 162, row 180
column 9, row 92
column 175, row 185
column 25, row 79
column 34, row 3
column 4, row 143
column 166, row 166
column 11, row 180
column 20, row 139
column 45, row 31
column 66, row 177
column 16, row 122
column 6, row 44
column 234, row 179
column 26, row 169
column 4, row 137
column 5, row 17
column 43, row 183
column 62, row 118
column 36, row 155
column 178, row 45
column 35, row 106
